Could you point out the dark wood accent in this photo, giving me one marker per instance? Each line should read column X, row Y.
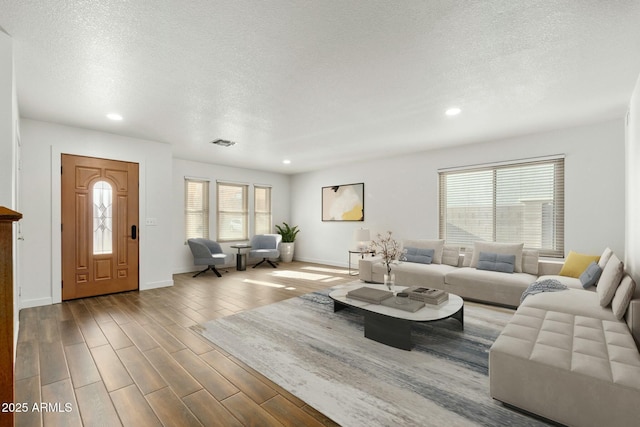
column 133, row 408
column 250, row 385
column 289, row 414
column 95, row 406
column 171, row 410
column 153, row 366
column 7, row 390
column 249, row 412
column 145, row 376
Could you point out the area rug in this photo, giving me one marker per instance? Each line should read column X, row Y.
column 324, row 359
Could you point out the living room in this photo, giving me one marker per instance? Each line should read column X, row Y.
column 602, row 182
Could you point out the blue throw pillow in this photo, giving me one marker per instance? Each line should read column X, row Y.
column 496, row 262
column 422, row 256
column 591, row 275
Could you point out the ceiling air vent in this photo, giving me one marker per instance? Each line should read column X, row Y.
column 223, row 142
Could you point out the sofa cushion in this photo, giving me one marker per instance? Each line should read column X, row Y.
column 422, row 256
column 530, row 260
column 591, row 275
column 575, row 264
column 451, row 255
column 491, row 286
column 496, row 262
column 570, row 282
column 414, row 274
column 576, row 302
column 604, row 258
column 609, row 280
column 499, row 248
column 437, row 245
column 623, row 296
column 468, row 254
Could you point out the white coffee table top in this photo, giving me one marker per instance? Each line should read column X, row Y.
column 425, row 314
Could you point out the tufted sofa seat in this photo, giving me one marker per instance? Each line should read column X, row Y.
column 566, row 358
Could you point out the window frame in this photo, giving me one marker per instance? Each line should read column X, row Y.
column 556, row 213
column 203, row 210
column 244, row 212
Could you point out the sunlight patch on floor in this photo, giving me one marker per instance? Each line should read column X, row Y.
column 327, row 270
column 299, row 275
column 289, row 288
column 261, row 283
column 331, row 279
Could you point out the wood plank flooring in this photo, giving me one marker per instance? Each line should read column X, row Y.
column 131, row 359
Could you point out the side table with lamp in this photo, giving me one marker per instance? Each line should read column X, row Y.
column 362, row 237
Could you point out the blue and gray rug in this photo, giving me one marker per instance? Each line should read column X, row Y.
column 323, row 358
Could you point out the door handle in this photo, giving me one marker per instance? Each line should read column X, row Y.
column 134, row 232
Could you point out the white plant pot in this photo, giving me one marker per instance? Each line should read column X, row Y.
column 286, row 251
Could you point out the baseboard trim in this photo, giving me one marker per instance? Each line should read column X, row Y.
column 196, row 268
column 323, row 261
column 35, row 302
column 156, row 285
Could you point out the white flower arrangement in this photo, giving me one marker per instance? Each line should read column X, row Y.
column 389, row 249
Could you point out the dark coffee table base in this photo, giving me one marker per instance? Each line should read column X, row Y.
column 391, row 330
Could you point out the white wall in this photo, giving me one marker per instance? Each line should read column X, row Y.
column 632, row 255
column 182, row 258
column 8, row 149
column 42, row 145
column 7, row 122
column 401, row 192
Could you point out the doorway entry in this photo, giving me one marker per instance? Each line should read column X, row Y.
column 100, row 242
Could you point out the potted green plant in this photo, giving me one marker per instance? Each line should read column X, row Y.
column 288, row 241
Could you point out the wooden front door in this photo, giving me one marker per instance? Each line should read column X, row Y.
column 99, row 226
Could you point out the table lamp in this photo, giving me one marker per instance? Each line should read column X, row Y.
column 363, row 237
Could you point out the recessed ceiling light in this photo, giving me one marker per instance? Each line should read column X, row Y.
column 114, row 116
column 286, row 161
column 453, row 111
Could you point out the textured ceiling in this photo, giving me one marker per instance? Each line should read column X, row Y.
column 322, row 82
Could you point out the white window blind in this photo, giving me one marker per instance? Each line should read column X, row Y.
column 196, row 211
column 262, row 209
column 517, row 202
column 233, row 212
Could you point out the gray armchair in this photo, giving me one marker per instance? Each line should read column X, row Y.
column 265, row 246
column 209, row 253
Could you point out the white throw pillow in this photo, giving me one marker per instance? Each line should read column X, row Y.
column 623, row 296
column 436, row 245
column 604, row 258
column 451, row 255
column 498, row 248
column 530, row 261
column 609, row 280
column 468, row 254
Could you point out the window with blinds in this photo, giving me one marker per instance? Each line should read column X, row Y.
column 262, row 209
column 196, row 208
column 233, row 211
column 510, row 203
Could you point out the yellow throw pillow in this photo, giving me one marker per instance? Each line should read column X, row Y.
column 575, row 264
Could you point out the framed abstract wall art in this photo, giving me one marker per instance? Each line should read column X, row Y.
column 343, row 202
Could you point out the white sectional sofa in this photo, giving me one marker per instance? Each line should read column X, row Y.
column 571, row 357
column 453, row 272
column 564, row 355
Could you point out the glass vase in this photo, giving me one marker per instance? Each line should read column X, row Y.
column 389, row 281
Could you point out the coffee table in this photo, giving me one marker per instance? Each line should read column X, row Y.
column 392, row 326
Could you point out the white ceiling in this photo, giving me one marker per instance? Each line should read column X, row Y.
column 322, row 82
